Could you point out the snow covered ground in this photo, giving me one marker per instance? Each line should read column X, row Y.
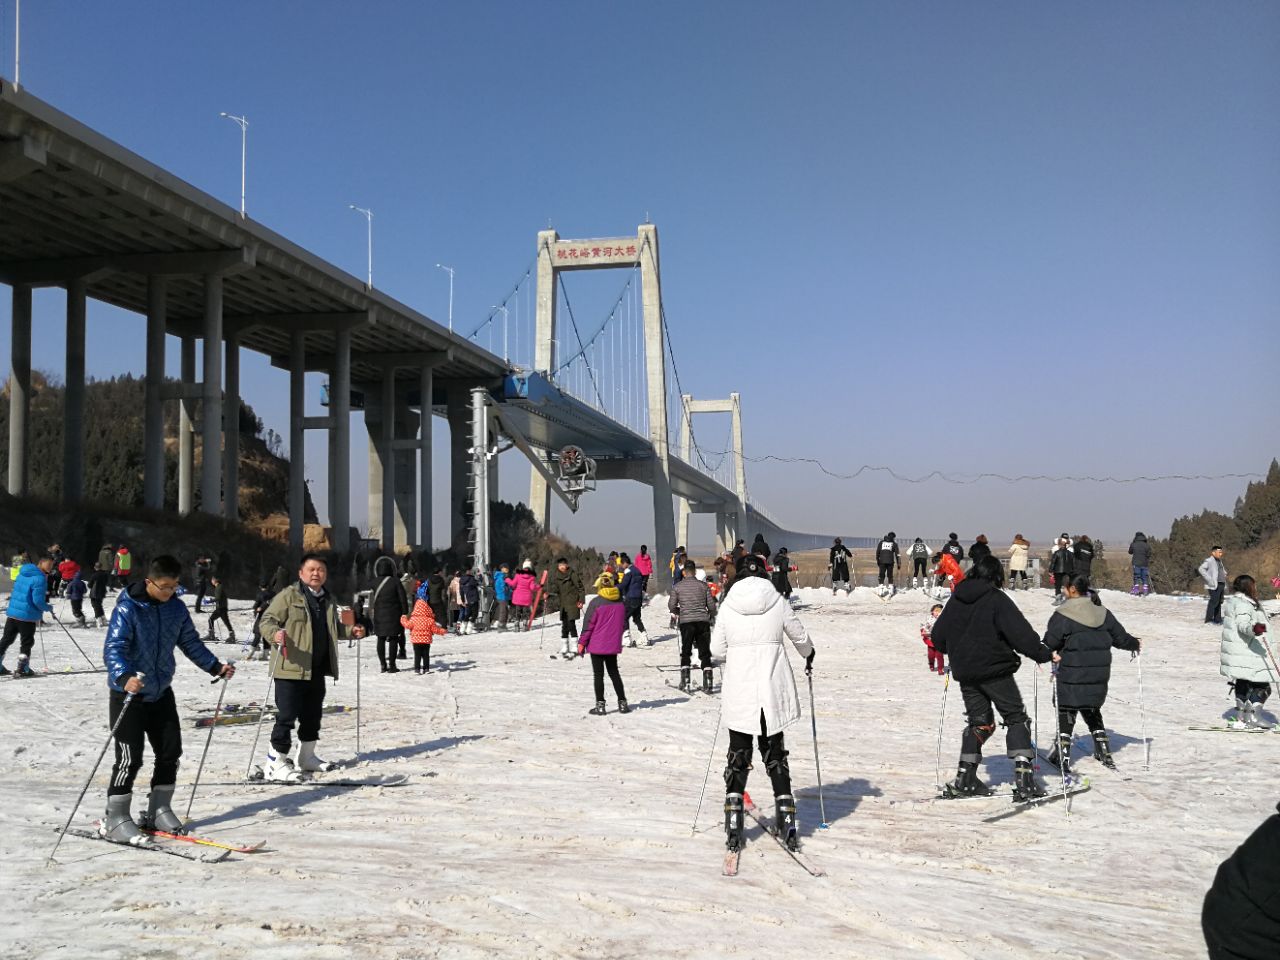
column 530, row 829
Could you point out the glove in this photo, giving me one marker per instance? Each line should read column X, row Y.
column 1259, row 629
column 808, row 661
column 581, row 649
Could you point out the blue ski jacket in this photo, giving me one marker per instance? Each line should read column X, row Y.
column 142, row 637
column 27, row 601
column 501, row 590
column 76, row 588
column 632, row 586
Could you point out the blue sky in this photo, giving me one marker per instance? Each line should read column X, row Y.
column 1007, row 237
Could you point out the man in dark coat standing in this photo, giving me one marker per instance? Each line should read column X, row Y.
column 387, row 605
column 1241, row 916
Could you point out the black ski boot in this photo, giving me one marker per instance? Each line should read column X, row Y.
column 966, row 783
column 1102, row 749
column 785, row 825
column 708, row 679
column 733, row 821
column 1060, row 756
column 1024, row 781
column 685, row 685
column 622, row 706
column 599, row 709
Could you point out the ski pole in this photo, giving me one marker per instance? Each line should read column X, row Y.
column 44, row 655
column 1064, row 750
column 262, row 712
column 1142, row 713
column 128, row 699
column 813, row 722
column 359, row 641
column 74, row 644
column 711, row 757
column 942, row 718
column 207, row 740
column 1035, row 713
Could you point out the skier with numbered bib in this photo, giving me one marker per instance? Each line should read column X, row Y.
column 759, row 690
column 983, row 632
column 887, row 558
column 919, row 554
column 840, row 559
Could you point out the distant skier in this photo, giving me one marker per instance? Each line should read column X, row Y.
column 1214, row 574
column 469, row 594
column 123, row 567
column 68, row 570
column 952, row 547
column 386, row 607
column 437, row 596
column 149, row 621
column 1082, row 556
column 1140, row 550
column 261, row 646
column 99, row 582
column 502, row 596
column 692, row 603
column 759, row 692
column 203, row 567
column 839, row 562
column 565, row 587
column 76, row 591
column 1245, row 661
column 1019, row 551
column 524, row 586
column 887, row 557
column 983, row 632
column 1080, row 635
column 1062, row 565
column 919, row 554
column 980, row 548
column 644, row 564
column 632, row 589
column 948, row 571
column 760, row 548
column 937, row 661
column 220, row 612
column 603, row 624
column 422, row 628
column 782, row 572
column 27, row 607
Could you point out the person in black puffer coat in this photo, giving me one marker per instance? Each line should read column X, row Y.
column 1082, row 556
column 1081, row 634
column 438, row 596
column 980, row 548
column 1063, row 566
column 1241, row 916
column 983, row 632
column 387, row 606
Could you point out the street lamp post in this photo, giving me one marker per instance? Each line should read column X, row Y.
column 368, row 215
column 244, row 140
column 450, row 269
column 504, row 330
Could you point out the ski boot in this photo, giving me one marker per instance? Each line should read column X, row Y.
column 1024, row 781
column 598, row 710
column 24, row 668
column 1241, row 721
column 1102, row 749
column 280, row 768
column 708, row 679
column 160, row 815
column 308, row 762
column 966, row 783
column 1137, row 589
column 102, row 621
column 622, row 706
column 231, row 636
column 785, row 822
column 733, row 821
column 631, row 638
column 685, row 685
column 82, row 623
column 117, row 824
column 1145, row 589
column 1060, row 756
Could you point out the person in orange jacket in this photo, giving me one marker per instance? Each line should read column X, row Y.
column 948, row 570
column 422, row 628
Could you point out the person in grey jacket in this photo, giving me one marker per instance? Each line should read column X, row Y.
column 692, row 603
column 1246, row 653
column 1214, row 575
column 1140, row 550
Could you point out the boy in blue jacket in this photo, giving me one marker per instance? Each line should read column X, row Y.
column 149, row 620
column 27, row 607
column 76, row 591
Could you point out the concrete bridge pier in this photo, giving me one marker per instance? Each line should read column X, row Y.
column 19, row 390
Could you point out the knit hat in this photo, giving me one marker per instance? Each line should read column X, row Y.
column 605, row 587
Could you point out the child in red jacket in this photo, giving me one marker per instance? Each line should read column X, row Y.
column 422, row 628
column 937, row 660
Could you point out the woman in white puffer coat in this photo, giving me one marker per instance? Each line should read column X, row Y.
column 1245, row 658
column 759, row 692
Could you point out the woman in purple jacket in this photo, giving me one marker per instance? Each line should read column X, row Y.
column 602, row 628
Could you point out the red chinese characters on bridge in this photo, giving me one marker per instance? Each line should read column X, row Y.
column 590, row 252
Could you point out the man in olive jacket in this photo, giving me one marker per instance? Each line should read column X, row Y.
column 302, row 625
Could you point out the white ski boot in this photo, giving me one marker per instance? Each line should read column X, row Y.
column 280, row 768
column 160, row 815
column 308, row 762
column 117, row 824
column 1241, row 721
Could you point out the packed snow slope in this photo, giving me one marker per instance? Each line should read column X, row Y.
column 530, row 829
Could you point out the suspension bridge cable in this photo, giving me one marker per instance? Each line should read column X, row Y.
column 578, row 335
column 493, row 312
column 613, row 313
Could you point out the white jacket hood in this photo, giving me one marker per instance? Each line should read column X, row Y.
column 752, row 597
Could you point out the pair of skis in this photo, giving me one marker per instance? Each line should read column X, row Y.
column 255, row 715
column 214, row 851
column 732, row 857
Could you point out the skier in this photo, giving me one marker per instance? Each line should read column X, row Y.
column 782, row 572
column 839, row 562
column 1245, row 660
column 455, row 601
column 644, row 563
column 919, row 554
column 760, row 548
column 422, row 628
column 123, row 566
column 1214, row 574
column 302, row 623
column 952, row 546
column 107, row 558
column 387, row 607
column 437, row 591
column 20, row 559
column 759, row 692
column 469, row 595
column 26, row 609
column 149, row 621
column 740, row 550
column 887, row 557
column 203, row 568
column 260, row 604
column 1140, row 550
column 692, row 603
column 76, row 590
column 55, row 575
column 948, row 570
column 1082, row 556
column 502, row 595
column 603, row 623
column 68, row 570
column 1062, row 567
column 676, row 564
column 98, row 584
column 983, row 632
column 524, row 584
column 937, row 661
column 219, row 612
column 1081, row 634
column 632, row 590
column 1019, row 550
column 566, row 588
column 979, row 549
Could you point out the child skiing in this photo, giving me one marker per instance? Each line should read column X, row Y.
column 1081, row 634
column 149, row 621
column 75, row 592
column 693, row 605
column 566, row 588
column 27, row 607
column 603, row 623
column 936, row 660
column 948, row 570
column 983, row 632
column 422, row 628
column 760, row 697
column 1245, row 654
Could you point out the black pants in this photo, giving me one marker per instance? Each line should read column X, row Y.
column 633, row 613
column 387, row 650
column 14, row 629
column 1003, row 692
column 157, row 721
column 1013, row 574
column 886, row 573
column 96, row 603
column 1251, row 691
column 403, row 654
column 772, row 751
column 699, row 633
column 220, row 615
column 568, row 623
column 782, row 583
column 600, row 662
column 422, row 656
column 201, row 589
column 1092, row 717
column 919, row 568
column 300, row 702
column 77, row 609
column 1213, row 612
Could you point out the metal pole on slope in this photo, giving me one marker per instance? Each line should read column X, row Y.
column 710, row 757
column 74, row 644
column 937, row 770
column 217, row 711
column 1064, row 755
column 262, row 710
column 1142, row 713
column 817, row 766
